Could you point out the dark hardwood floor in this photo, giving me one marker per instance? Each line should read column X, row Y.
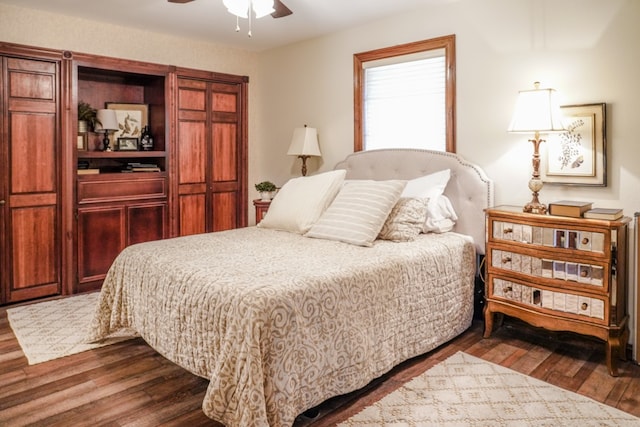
column 129, row 384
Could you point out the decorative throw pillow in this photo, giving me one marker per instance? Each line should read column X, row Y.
column 301, row 201
column 358, row 212
column 440, row 214
column 406, row 220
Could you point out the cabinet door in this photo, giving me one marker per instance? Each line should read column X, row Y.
column 30, row 245
column 146, row 222
column 192, row 157
column 211, row 170
column 101, row 237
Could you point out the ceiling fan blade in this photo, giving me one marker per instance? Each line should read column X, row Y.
column 281, row 9
column 179, row 1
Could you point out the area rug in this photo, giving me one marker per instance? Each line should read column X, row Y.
column 54, row 329
column 467, row 391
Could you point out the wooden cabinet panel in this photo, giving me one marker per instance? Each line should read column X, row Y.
column 192, row 214
column 224, row 211
column 33, row 247
column 101, row 237
column 30, row 244
column 211, row 150
column 146, row 222
column 225, row 152
column 192, row 160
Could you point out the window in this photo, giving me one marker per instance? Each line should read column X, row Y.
column 404, row 96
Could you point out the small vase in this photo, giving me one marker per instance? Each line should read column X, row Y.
column 265, row 196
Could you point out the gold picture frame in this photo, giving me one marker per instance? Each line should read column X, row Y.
column 578, row 155
column 132, row 118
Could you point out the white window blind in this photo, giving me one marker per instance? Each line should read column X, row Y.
column 404, row 102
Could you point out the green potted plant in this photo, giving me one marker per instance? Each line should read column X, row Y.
column 266, row 189
column 87, row 117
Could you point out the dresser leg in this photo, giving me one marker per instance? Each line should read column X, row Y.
column 488, row 322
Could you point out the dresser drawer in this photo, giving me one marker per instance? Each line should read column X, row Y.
column 560, row 269
column 568, row 238
column 560, row 301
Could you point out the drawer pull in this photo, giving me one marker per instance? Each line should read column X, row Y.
column 584, row 306
column 506, row 259
column 583, row 273
column 508, row 289
column 507, row 230
column 585, row 240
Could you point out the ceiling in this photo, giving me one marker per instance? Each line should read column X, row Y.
column 209, row 20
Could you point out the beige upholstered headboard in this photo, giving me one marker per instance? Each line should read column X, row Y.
column 469, row 189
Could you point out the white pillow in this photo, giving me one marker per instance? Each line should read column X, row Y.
column 358, row 212
column 301, row 201
column 428, row 186
column 441, row 216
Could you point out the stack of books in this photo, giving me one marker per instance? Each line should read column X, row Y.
column 571, row 208
column 604, row 213
column 141, row 167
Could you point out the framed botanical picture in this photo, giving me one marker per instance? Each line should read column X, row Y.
column 127, row 144
column 578, row 155
column 131, row 119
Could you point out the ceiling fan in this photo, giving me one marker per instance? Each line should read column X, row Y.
column 280, row 9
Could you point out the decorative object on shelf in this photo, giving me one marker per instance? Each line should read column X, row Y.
column 87, row 117
column 107, row 122
column 537, row 111
column 578, row 156
column 573, row 208
column 132, row 118
column 146, row 140
column 266, row 189
column 127, row 144
column 82, row 141
column 304, row 144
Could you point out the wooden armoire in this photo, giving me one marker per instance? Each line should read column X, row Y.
column 61, row 230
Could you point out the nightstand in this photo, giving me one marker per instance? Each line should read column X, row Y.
column 559, row 273
column 262, row 206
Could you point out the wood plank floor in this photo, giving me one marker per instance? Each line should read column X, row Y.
column 129, row 384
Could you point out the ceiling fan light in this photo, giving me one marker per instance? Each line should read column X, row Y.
column 239, row 8
column 262, row 7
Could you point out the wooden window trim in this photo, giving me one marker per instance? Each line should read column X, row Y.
column 445, row 42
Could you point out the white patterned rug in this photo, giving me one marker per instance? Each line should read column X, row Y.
column 467, row 391
column 54, row 329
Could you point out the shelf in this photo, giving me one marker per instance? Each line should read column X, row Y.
column 119, row 154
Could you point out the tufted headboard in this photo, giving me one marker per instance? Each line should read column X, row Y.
column 469, row 189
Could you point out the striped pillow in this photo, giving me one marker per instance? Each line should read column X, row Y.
column 358, row 212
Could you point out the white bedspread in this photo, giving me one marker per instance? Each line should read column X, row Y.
column 279, row 322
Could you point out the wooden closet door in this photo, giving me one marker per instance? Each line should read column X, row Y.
column 30, row 184
column 192, row 156
column 210, row 151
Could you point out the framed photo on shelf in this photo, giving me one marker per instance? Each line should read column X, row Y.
column 82, row 142
column 578, row 155
column 131, row 119
column 127, row 144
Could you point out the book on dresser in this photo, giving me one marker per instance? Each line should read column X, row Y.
column 604, row 213
column 571, row 208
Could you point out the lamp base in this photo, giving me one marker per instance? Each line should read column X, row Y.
column 535, row 207
column 105, row 143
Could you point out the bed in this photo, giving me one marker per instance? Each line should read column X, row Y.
column 279, row 321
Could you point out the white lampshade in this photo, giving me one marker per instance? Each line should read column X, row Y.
column 537, row 110
column 304, row 142
column 106, row 121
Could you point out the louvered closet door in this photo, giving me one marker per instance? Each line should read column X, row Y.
column 208, row 156
column 29, row 186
